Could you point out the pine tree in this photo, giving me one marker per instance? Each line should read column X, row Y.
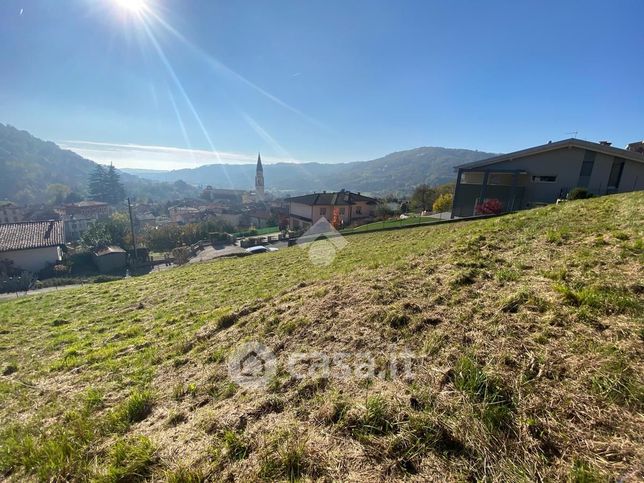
column 115, row 190
column 105, row 185
column 96, row 186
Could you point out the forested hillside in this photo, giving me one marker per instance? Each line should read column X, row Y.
column 35, row 171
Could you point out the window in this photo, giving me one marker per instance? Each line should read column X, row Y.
column 615, row 174
column 544, row 179
column 322, row 211
column 342, row 211
column 586, row 169
column 358, row 210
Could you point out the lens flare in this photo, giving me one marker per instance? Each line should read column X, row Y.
column 133, row 6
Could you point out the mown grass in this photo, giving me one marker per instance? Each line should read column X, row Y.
column 532, row 320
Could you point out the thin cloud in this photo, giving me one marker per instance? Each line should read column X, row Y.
column 144, row 156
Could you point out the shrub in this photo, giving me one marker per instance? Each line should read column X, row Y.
column 490, row 206
column 442, row 203
column 17, row 283
column 579, row 194
column 181, row 255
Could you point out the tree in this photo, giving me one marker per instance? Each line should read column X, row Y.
column 105, row 185
column 114, row 231
column 423, row 198
column 96, row 186
column 57, row 193
column 442, row 203
column 73, row 197
column 115, row 190
column 383, row 210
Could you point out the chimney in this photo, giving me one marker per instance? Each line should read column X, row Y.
column 605, row 143
column 636, row 147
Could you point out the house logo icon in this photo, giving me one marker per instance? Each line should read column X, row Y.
column 322, row 241
column 252, row 365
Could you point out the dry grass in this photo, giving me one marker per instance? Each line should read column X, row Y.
column 527, row 333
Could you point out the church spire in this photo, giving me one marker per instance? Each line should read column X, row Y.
column 259, row 180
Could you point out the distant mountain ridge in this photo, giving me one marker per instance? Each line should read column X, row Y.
column 396, row 172
column 28, row 165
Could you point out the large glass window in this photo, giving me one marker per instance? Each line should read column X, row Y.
column 615, row 174
column 586, row 169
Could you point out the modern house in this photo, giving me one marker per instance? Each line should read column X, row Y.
column 543, row 174
column 304, row 211
column 32, row 245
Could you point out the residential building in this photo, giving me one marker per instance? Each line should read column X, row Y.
column 304, row 211
column 32, row 245
column 184, row 214
column 10, row 213
column 75, row 228
column 543, row 174
column 96, row 210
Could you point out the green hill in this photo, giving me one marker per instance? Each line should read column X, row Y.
column 527, row 333
column 29, row 165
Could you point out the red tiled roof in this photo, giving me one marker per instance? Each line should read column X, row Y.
column 31, row 234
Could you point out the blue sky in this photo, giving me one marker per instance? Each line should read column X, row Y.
column 323, row 81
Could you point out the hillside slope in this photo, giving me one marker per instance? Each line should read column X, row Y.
column 395, row 172
column 526, row 330
column 28, row 165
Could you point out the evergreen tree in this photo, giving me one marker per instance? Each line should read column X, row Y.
column 115, row 190
column 105, row 185
column 96, row 186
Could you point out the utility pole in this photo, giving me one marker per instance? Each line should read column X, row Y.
column 129, row 207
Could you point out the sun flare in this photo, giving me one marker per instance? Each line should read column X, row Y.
column 133, row 6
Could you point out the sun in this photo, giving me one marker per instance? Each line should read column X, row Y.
column 132, row 6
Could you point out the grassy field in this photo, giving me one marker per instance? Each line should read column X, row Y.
column 412, row 220
column 527, row 328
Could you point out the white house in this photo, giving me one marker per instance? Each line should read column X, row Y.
column 32, row 245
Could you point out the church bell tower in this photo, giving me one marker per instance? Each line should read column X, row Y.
column 259, row 180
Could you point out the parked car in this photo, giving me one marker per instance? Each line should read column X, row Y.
column 260, row 249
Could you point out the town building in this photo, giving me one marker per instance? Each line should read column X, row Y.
column 184, row 214
column 32, row 245
column 75, row 228
column 542, row 174
column 10, row 213
column 352, row 208
column 95, row 210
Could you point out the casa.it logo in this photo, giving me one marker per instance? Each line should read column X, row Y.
column 322, row 242
column 252, row 365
